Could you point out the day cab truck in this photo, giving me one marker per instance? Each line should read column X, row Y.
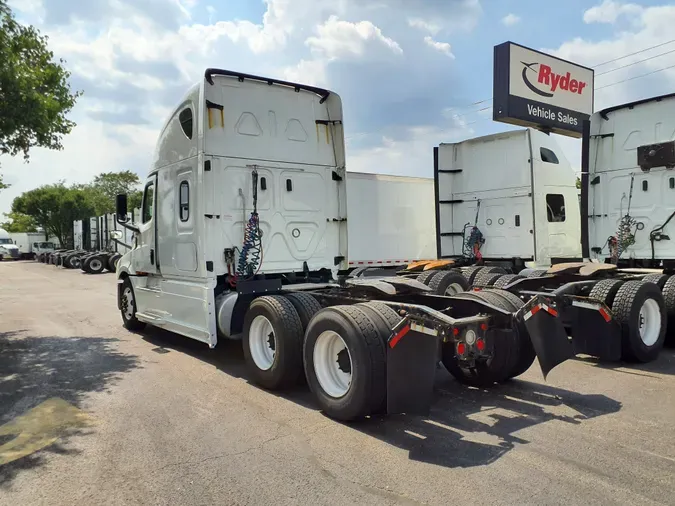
column 517, row 190
column 244, row 235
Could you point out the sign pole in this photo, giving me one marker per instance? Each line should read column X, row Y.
column 585, row 165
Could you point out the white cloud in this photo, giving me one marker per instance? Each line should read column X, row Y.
column 429, row 26
column 443, row 47
column 341, row 39
column 510, row 20
column 409, row 156
column 609, row 11
column 135, row 58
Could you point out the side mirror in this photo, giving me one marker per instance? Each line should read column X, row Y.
column 121, row 208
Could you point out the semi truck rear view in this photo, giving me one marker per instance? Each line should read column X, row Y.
column 244, row 235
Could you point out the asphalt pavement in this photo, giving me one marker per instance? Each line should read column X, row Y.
column 93, row 414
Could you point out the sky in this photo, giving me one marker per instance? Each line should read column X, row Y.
column 411, row 73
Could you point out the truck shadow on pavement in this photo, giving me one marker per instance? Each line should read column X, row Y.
column 664, row 364
column 470, row 427
column 467, row 427
column 43, row 382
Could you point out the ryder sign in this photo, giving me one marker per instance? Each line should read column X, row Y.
column 538, row 90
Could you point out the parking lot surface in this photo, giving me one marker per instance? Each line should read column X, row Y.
column 93, row 414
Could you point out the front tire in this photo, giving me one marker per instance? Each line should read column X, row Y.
column 128, row 307
column 273, row 342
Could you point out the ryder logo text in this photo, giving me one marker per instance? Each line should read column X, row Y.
column 548, row 82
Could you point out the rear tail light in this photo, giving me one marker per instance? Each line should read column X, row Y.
column 461, row 348
column 480, row 344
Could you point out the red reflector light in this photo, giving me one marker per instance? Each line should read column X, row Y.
column 480, row 344
column 483, row 326
column 455, row 332
column 461, row 348
column 401, row 333
column 605, row 314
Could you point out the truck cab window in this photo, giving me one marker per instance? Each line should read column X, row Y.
column 185, row 118
column 184, row 201
column 555, row 207
column 548, row 156
column 36, row 245
column 148, row 202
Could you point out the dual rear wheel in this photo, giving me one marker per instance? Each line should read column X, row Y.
column 341, row 349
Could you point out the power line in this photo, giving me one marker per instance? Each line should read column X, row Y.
column 634, row 63
column 595, row 89
column 635, row 77
column 633, row 54
column 600, row 65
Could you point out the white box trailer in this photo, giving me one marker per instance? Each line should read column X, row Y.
column 33, row 243
column 390, row 208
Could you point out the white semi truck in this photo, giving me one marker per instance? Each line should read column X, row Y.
column 8, row 250
column 244, row 235
column 508, row 201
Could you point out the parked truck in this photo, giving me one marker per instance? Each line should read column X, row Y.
column 527, row 215
column 244, row 235
column 32, row 244
column 8, row 250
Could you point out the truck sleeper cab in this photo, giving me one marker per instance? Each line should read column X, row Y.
column 243, row 235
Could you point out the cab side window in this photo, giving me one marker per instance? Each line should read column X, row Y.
column 148, row 202
column 548, row 156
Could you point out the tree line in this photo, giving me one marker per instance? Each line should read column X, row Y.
column 54, row 207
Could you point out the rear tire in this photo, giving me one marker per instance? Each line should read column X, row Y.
column 669, row 301
column 537, row 273
column 272, row 342
column 658, row 279
column 449, row 283
column 427, row 276
column 111, row 264
column 496, row 369
column 306, row 306
column 97, row 264
column 640, row 309
column 526, row 353
column 486, row 278
column 507, row 279
column 605, row 291
column 470, row 273
column 341, row 339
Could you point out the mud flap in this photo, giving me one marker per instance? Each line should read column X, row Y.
column 594, row 331
column 547, row 333
column 412, row 356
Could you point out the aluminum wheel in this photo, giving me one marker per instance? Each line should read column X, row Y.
column 332, row 364
column 262, row 342
column 128, row 303
column 96, row 264
column 454, row 289
column 650, row 322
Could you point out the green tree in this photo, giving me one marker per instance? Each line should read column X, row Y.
column 55, row 207
column 3, row 186
column 34, row 92
column 105, row 187
column 18, row 222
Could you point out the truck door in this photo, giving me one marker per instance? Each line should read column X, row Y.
column 146, row 255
